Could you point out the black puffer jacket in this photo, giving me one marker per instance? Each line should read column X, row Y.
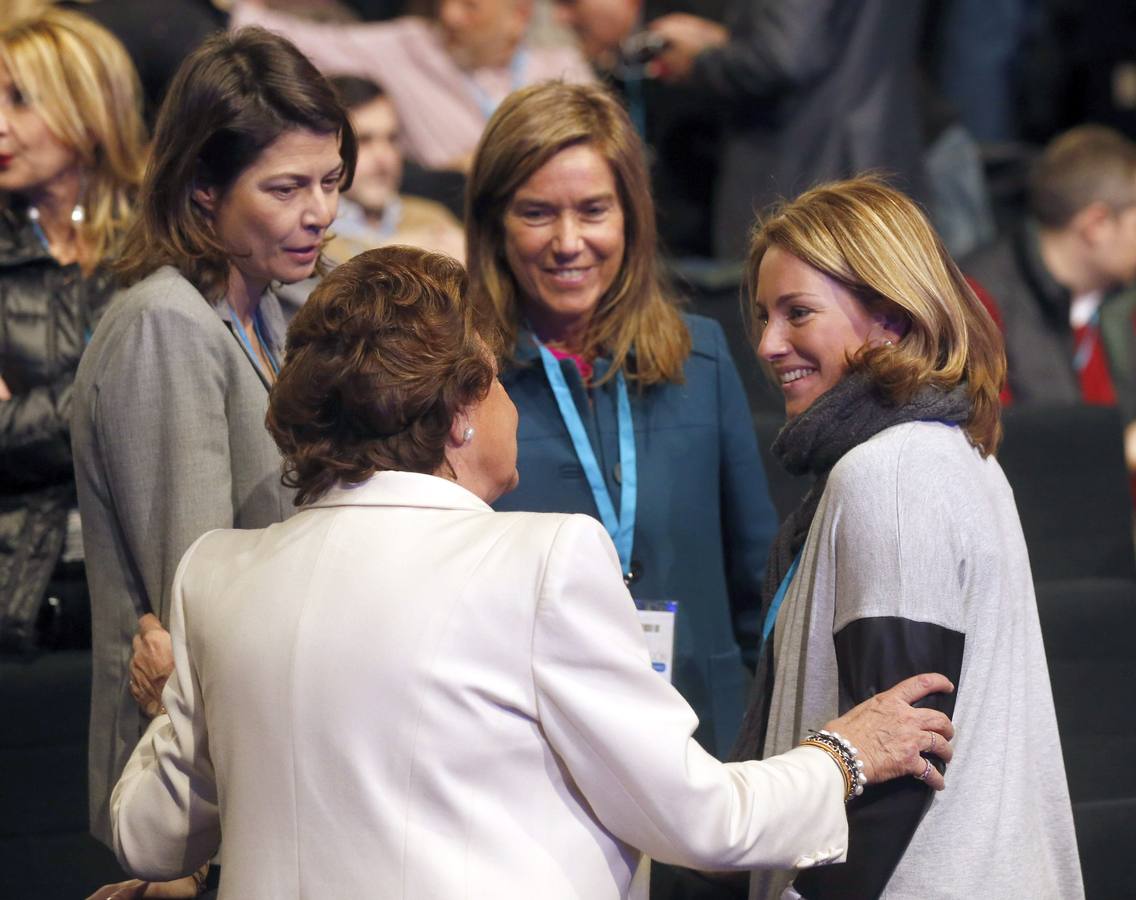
column 47, row 312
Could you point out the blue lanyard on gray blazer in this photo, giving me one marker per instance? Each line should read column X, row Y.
column 242, row 336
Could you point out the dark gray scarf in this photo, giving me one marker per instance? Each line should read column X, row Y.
column 840, row 419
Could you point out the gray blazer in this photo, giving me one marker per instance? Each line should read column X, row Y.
column 169, row 442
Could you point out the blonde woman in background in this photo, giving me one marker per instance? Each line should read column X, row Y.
column 72, row 151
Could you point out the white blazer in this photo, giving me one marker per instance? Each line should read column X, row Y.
column 399, row 693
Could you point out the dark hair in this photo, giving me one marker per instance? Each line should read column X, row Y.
column 1084, row 165
column 231, row 98
column 379, row 360
column 354, row 92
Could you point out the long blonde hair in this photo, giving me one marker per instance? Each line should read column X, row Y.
column 79, row 78
column 877, row 243
column 529, row 128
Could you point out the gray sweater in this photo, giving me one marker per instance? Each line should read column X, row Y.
column 915, row 524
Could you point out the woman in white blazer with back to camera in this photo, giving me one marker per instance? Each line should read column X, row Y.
column 401, row 693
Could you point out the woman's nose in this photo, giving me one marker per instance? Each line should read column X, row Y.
column 771, row 344
column 321, row 209
column 567, row 239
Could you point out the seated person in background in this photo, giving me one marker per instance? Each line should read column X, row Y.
column 445, row 701
column 445, row 77
column 373, row 213
column 1051, row 275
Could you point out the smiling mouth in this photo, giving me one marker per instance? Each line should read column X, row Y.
column 5, row 160
column 573, row 274
column 793, row 375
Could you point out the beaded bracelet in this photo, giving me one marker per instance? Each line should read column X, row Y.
column 845, row 755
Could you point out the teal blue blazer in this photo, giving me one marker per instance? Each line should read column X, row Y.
column 705, row 521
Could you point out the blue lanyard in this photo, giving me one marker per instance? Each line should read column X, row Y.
column 778, row 598
column 517, row 66
column 243, row 335
column 621, row 528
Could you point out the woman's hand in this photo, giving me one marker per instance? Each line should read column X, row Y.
column 891, row 734
column 135, row 889
column 151, row 664
column 5, row 394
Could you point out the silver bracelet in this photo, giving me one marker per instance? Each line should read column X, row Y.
column 845, row 755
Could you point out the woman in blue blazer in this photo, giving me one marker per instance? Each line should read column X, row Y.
column 562, row 253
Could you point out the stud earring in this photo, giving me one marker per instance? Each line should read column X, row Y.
column 888, row 343
column 467, row 435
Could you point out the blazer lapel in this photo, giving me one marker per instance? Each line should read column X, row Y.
column 272, row 320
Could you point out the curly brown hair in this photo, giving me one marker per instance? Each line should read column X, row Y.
column 379, row 360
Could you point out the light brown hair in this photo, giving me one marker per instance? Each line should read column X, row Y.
column 529, row 128
column 379, row 360
column 79, row 78
column 876, row 242
column 231, row 98
column 1087, row 164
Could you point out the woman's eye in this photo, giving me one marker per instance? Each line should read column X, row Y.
column 283, row 191
column 331, row 184
column 534, row 215
column 797, row 313
column 595, row 212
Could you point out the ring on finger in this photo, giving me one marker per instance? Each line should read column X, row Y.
column 922, row 776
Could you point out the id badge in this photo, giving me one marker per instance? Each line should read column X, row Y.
column 658, row 620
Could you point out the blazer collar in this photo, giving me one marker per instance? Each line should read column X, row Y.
column 273, row 321
column 403, row 489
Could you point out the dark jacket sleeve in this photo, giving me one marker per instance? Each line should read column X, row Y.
column 35, row 445
column 776, row 46
column 873, row 654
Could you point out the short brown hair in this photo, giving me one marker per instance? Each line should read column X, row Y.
column 232, row 97
column 1084, row 165
column 379, row 360
column 876, row 242
column 530, row 127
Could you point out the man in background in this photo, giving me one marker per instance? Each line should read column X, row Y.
column 811, row 90
column 373, row 213
column 444, row 75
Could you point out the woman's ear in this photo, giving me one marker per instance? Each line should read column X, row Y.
column 206, row 198
column 893, row 325
column 458, row 427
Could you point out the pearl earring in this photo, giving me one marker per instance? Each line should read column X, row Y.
column 467, row 435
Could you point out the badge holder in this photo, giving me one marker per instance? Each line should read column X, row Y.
column 658, row 620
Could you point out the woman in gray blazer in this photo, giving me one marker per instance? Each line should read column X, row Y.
column 250, row 152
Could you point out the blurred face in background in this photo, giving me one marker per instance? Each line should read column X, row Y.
column 378, row 166
column 483, row 32
column 600, row 25
column 32, row 158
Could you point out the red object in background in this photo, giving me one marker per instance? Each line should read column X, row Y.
column 1006, row 396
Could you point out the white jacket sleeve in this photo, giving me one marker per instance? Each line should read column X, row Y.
column 164, row 813
column 625, row 735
